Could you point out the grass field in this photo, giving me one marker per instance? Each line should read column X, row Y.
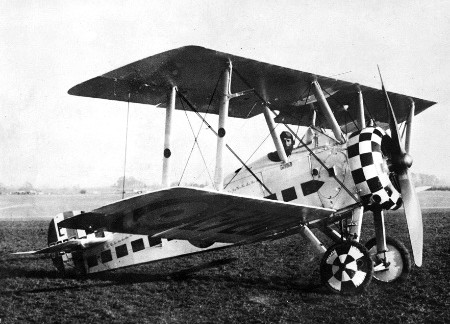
column 276, row 282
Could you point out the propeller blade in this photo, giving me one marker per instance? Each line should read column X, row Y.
column 413, row 215
column 393, row 125
column 402, row 162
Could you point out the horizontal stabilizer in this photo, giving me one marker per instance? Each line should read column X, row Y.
column 68, row 246
column 25, row 253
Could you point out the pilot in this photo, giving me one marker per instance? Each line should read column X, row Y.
column 288, row 143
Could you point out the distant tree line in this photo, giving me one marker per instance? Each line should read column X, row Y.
column 420, row 179
column 130, row 183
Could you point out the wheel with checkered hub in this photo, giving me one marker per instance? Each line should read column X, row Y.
column 397, row 264
column 346, row 268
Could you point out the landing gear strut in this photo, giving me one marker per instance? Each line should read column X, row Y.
column 347, row 267
column 391, row 258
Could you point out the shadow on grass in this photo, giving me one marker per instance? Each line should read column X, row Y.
column 116, row 279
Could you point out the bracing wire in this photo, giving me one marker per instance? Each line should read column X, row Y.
column 226, row 145
column 190, row 153
column 251, row 109
column 251, row 155
column 337, row 101
column 319, row 112
column 300, row 140
column 192, row 149
column 126, row 145
column 199, row 130
column 247, row 116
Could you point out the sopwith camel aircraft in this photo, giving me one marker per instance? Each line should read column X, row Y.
column 325, row 180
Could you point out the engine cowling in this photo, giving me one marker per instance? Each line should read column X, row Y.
column 370, row 170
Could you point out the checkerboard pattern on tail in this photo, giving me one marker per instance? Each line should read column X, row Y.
column 369, row 169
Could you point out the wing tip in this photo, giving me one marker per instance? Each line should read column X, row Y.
column 86, row 221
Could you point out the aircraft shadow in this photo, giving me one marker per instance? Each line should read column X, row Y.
column 125, row 278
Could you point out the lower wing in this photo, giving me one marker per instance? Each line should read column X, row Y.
column 199, row 215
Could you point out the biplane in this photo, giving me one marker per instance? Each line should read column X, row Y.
column 352, row 160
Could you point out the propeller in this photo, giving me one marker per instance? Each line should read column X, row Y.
column 401, row 162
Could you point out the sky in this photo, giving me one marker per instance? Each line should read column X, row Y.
column 52, row 139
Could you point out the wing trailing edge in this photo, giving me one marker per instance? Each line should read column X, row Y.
column 68, row 246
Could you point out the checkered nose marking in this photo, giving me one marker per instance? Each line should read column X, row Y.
column 370, row 171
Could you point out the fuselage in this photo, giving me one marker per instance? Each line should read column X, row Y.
column 302, row 180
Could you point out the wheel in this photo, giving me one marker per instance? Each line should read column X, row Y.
column 397, row 257
column 201, row 244
column 58, row 263
column 346, row 268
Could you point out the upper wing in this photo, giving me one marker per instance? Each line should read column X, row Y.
column 195, row 71
column 198, row 215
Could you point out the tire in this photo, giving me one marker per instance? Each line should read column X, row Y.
column 346, row 268
column 201, row 244
column 398, row 257
column 59, row 264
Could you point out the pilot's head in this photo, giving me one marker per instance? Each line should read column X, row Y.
column 288, row 141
